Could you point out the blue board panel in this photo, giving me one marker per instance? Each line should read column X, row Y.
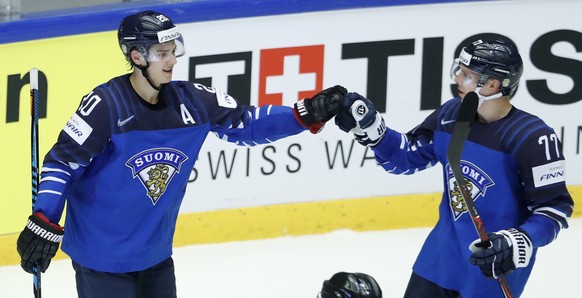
column 107, row 17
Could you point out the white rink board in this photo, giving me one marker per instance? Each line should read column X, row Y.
column 297, row 169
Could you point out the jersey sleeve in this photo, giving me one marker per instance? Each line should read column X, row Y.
column 408, row 153
column 541, row 165
column 247, row 125
column 84, row 136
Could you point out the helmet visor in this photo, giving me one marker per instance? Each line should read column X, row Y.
column 170, row 49
column 464, row 58
column 455, row 69
column 463, row 75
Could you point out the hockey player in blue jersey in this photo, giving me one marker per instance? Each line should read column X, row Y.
column 122, row 163
column 514, row 166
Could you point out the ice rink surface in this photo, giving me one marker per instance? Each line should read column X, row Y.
column 295, row 267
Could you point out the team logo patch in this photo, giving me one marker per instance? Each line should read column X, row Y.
column 477, row 183
column 155, row 168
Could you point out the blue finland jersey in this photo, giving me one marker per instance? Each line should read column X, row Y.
column 122, row 166
column 515, row 170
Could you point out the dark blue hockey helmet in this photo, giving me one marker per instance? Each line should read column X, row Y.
column 350, row 285
column 142, row 30
column 492, row 59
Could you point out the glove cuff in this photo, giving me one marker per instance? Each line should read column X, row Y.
column 303, row 113
column 42, row 227
column 373, row 134
column 377, row 129
column 306, row 117
column 521, row 246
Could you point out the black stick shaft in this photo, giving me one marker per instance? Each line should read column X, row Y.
column 34, row 162
column 467, row 113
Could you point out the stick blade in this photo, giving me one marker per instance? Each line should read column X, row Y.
column 467, row 113
column 468, row 108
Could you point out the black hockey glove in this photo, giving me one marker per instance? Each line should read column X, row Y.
column 358, row 115
column 38, row 242
column 508, row 250
column 314, row 112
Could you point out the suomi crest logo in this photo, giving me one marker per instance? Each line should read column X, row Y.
column 477, row 183
column 155, row 168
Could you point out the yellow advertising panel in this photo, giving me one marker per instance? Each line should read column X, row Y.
column 69, row 67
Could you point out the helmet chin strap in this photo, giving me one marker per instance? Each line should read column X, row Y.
column 483, row 98
column 144, row 71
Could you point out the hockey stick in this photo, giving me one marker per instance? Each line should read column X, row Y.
column 461, row 130
column 34, row 161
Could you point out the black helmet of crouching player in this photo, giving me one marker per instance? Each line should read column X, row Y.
column 142, row 30
column 496, row 59
column 350, row 285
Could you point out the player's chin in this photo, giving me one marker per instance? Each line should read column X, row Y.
column 168, row 74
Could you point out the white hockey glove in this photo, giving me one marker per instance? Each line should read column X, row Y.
column 358, row 115
column 508, row 250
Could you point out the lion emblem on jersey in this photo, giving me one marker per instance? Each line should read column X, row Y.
column 476, row 181
column 456, row 198
column 155, row 169
column 157, row 180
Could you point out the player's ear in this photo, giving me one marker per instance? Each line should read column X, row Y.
column 493, row 84
column 137, row 58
